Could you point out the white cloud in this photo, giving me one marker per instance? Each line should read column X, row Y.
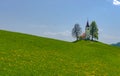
column 107, row 38
column 116, row 2
column 64, row 33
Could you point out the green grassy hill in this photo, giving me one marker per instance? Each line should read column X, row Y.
column 27, row 55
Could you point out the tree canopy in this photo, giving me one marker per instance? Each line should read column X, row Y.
column 94, row 30
column 76, row 31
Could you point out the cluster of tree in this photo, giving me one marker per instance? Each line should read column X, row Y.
column 117, row 44
column 93, row 32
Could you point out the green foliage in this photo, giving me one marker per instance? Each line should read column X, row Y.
column 27, row 55
column 94, row 30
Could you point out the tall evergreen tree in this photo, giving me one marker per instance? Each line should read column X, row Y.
column 94, row 30
column 76, row 31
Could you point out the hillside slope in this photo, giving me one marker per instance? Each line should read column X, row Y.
column 27, row 55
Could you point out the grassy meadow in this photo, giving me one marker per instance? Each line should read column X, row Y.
column 28, row 55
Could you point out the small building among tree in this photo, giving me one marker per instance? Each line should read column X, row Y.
column 91, row 31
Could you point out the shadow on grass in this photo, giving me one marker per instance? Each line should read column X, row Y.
column 84, row 40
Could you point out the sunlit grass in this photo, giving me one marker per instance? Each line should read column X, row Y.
column 26, row 55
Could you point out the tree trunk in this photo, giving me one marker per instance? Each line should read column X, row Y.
column 92, row 36
column 77, row 38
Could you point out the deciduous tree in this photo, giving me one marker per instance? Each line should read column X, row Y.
column 94, row 30
column 76, row 31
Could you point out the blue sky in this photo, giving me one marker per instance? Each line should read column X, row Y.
column 56, row 18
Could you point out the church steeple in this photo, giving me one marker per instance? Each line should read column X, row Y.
column 87, row 31
column 87, row 25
